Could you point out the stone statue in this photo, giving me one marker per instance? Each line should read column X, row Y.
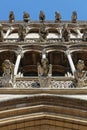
column 43, row 32
column 1, row 34
column 21, row 33
column 65, row 34
column 44, row 73
column 42, row 16
column 26, row 17
column 57, row 17
column 80, row 75
column 74, row 17
column 11, row 17
column 8, row 75
column 44, row 69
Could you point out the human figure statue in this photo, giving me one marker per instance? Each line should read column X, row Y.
column 43, row 32
column 21, row 33
column 8, row 75
column 44, row 73
column 42, row 16
column 44, row 69
column 26, row 17
column 74, row 17
column 65, row 34
column 80, row 75
column 11, row 17
column 1, row 34
column 57, row 17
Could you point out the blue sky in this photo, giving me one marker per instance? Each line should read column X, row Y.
column 65, row 7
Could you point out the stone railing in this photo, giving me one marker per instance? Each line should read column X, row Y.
column 33, row 82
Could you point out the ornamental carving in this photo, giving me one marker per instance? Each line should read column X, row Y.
column 84, row 37
column 57, row 17
column 8, row 75
column 26, row 17
column 11, row 17
column 80, row 74
column 34, row 84
column 44, row 73
column 74, row 17
column 21, row 33
column 65, row 34
column 42, row 16
column 43, row 33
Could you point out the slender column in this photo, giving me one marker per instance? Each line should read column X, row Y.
column 17, row 63
column 44, row 54
column 70, row 62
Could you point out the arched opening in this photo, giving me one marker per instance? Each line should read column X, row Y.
column 10, row 55
column 28, row 65
column 33, row 33
column 60, row 64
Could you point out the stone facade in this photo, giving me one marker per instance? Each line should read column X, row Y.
column 43, row 83
column 23, row 41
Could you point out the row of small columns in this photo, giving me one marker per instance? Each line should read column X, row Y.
column 20, row 55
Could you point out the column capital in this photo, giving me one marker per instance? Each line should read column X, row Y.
column 68, row 52
column 19, row 52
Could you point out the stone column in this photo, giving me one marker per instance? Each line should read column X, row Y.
column 70, row 62
column 19, row 56
column 44, row 56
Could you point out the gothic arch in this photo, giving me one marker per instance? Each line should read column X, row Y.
column 59, row 62
column 28, row 65
column 60, row 48
column 78, row 47
column 13, row 48
column 36, row 48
